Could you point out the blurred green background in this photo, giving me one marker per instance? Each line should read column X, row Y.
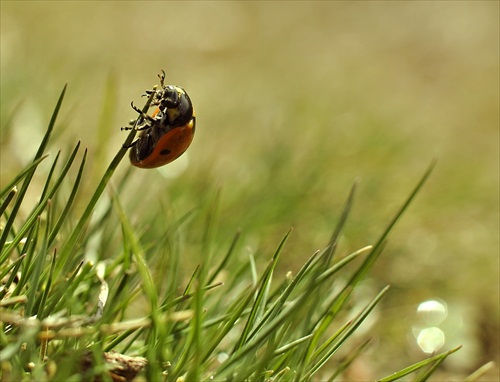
column 294, row 101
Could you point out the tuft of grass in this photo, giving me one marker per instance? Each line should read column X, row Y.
column 66, row 315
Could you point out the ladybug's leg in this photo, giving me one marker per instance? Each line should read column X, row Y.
column 130, row 125
column 143, row 122
column 144, row 126
column 158, row 93
column 161, row 76
column 131, row 145
column 147, row 93
column 144, row 116
column 144, row 146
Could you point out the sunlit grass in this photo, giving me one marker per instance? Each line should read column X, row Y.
column 72, row 300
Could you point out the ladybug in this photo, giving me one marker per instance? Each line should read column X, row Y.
column 168, row 132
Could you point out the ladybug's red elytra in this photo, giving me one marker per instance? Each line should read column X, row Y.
column 167, row 134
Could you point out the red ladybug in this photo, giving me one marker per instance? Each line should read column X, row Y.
column 167, row 134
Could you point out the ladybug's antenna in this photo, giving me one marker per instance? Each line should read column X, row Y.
column 161, row 76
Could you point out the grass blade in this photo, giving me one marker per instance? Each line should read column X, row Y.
column 68, row 247
column 30, row 168
column 410, row 369
column 30, row 173
column 260, row 300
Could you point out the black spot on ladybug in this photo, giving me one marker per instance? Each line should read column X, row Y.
column 165, row 152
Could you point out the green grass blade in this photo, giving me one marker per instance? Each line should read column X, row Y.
column 321, row 325
column 35, row 280
column 69, row 245
column 280, row 301
column 106, row 117
column 373, row 255
column 30, row 173
column 263, row 335
column 50, row 128
column 184, row 298
column 194, row 345
column 138, row 255
column 12, row 270
column 348, row 360
column 340, row 225
column 67, row 288
column 234, row 313
column 19, row 177
column 480, row 372
column 40, row 313
column 289, row 346
column 410, row 369
column 376, row 248
column 156, row 331
column 30, row 168
column 8, row 199
column 225, row 260
column 49, row 176
column 342, row 263
column 40, row 207
column 69, row 202
column 336, row 343
column 427, row 373
column 27, row 264
column 261, row 298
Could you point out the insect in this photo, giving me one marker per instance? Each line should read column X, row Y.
column 168, row 132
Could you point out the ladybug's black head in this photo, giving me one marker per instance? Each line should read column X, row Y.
column 170, row 97
column 176, row 106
